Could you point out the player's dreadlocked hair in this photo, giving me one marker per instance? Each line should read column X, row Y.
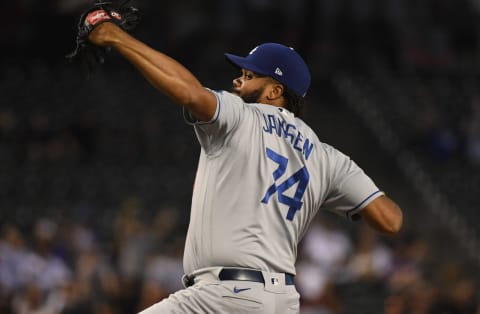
column 293, row 102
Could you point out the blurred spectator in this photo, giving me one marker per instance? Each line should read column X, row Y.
column 371, row 260
column 40, row 266
column 12, row 251
column 163, row 268
column 132, row 239
column 456, row 292
column 408, row 263
column 42, row 276
column 421, row 297
column 163, row 274
column 32, row 300
column 324, row 254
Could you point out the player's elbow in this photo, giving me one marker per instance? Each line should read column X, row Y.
column 384, row 216
column 180, row 95
column 393, row 225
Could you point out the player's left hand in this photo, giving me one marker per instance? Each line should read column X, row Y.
column 87, row 52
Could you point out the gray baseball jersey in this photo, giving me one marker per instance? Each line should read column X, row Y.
column 262, row 176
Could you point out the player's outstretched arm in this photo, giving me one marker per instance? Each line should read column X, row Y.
column 163, row 72
column 383, row 215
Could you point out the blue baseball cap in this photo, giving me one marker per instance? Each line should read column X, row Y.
column 280, row 62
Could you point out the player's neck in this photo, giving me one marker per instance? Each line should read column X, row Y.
column 277, row 102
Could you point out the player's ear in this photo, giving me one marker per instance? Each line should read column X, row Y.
column 275, row 91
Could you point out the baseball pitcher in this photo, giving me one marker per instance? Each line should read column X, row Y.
column 262, row 175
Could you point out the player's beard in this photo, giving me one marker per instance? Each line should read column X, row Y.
column 250, row 97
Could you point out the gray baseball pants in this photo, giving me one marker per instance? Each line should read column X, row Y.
column 209, row 295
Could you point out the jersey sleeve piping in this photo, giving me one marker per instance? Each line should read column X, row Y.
column 352, row 214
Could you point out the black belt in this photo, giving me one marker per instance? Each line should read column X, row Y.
column 239, row 274
column 248, row 275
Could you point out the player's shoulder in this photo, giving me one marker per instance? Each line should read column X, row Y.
column 224, row 96
column 332, row 154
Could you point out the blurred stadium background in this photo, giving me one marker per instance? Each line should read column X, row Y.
column 96, row 174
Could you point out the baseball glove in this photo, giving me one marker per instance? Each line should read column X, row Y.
column 89, row 54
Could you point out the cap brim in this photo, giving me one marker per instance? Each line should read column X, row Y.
column 243, row 63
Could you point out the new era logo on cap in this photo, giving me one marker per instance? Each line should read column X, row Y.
column 279, row 62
